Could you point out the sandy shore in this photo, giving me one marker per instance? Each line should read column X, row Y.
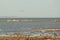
column 27, row 38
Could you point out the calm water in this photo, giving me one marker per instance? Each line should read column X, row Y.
column 15, row 27
column 25, row 26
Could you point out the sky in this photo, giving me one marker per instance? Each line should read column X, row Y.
column 29, row 8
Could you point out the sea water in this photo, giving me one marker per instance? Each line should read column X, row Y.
column 9, row 27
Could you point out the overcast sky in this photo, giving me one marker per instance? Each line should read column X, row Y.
column 30, row 8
